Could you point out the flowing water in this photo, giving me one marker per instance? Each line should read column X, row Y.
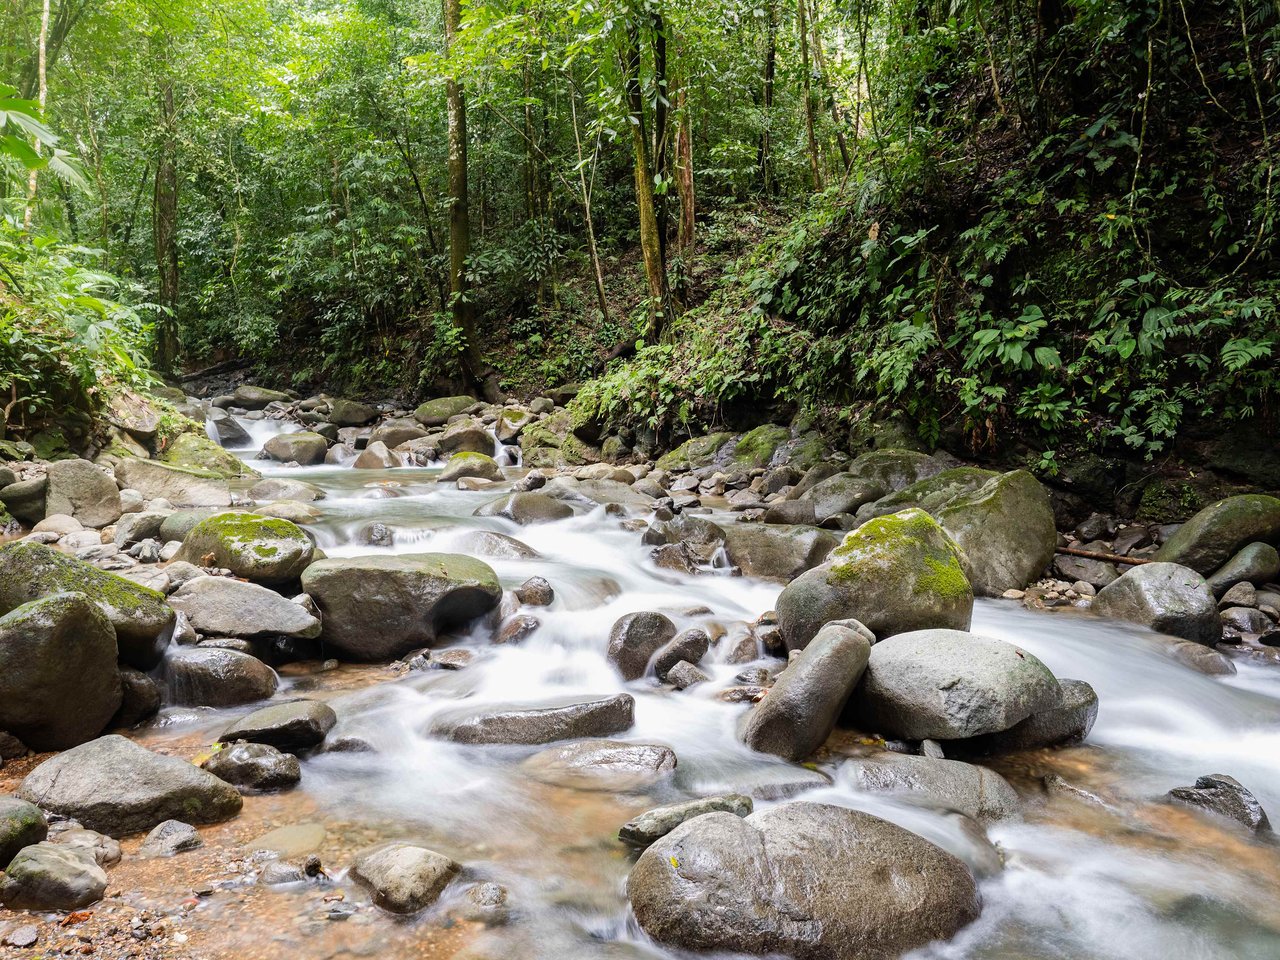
column 1125, row 878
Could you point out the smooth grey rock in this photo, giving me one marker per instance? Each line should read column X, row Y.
column 254, row 767
column 538, row 724
column 535, row 592
column 973, row 790
column 79, row 489
column 49, row 876
column 293, row 726
column 133, row 528
column 526, row 508
column 685, row 675
column 304, row 448
column 1068, row 722
column 653, row 825
column 774, row 551
column 213, row 677
column 804, row 880
column 602, row 765
column 1255, row 563
column 1210, row 538
column 635, row 638
column 403, row 878
column 1226, row 797
column 285, row 488
column 169, row 839
column 951, row 685
column 690, row 645
column 220, row 607
column 179, row 486
column 1165, row 597
column 116, row 787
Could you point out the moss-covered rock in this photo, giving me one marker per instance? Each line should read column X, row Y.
column 929, row 494
column 255, row 398
column 192, row 451
column 895, row 574
column 143, row 621
column 695, row 452
column 470, row 465
column 435, row 413
column 1216, row 533
column 806, row 450
column 181, row 486
column 511, row 421
column 380, row 607
column 895, row 469
column 551, row 443
column 52, row 445
column 265, row 550
column 757, row 447
column 21, row 825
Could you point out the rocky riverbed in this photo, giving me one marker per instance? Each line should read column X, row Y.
column 343, row 679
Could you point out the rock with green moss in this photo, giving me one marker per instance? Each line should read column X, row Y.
column 21, row 825
column 1216, row 533
column 895, row 469
column 806, row 450
column 143, row 621
column 551, row 443
column 52, row 445
column 465, row 436
column 757, row 447
column 255, row 398
column 776, row 551
column 929, row 494
column 194, row 451
column 895, row 574
column 695, row 452
column 470, row 465
column 264, row 550
column 181, row 486
column 377, row 608
column 436, row 413
column 59, row 683
column 303, row 447
column 25, row 499
column 511, row 421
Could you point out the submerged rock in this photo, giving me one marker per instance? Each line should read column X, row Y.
column 602, row 765
column 972, row 790
column 804, row 880
column 539, row 724
column 116, row 787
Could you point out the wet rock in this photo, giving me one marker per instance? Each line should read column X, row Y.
column 791, row 512
column 350, row 413
column 479, row 465
column 283, row 488
column 142, row 620
column 801, row 709
column 376, row 456
column 178, row 486
column 1068, row 722
column 1198, row 657
column 776, row 552
column 436, row 413
column 1210, row 538
column 1255, row 563
column 973, row 790
column 104, row 850
column 81, row 490
column 254, row 767
column 1246, row 620
column 24, row 936
column 217, row 606
column 304, row 448
column 292, row 727
column 487, row 543
column 635, row 638
column 49, row 876
column 895, row 574
column 381, row 607
column 403, row 878
column 457, row 658
column 278, row 873
column 169, row 839
column 59, row 684
column 265, row 550
column 226, row 429
column 896, row 468
column 535, row 592
column 21, row 825
column 951, row 685
column 526, row 508
column 252, row 397
column 116, row 787
column 690, row 645
column 602, row 765
column 213, row 677
column 1165, row 597
column 805, row 880
column 486, row 903
column 685, row 675
column 653, row 825
column 1242, row 594
column 517, row 629
column 842, row 493
column 140, row 698
column 538, row 724
column 465, row 436
column 1226, row 797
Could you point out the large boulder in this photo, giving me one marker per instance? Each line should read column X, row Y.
column 526, row 508
column 1068, row 722
column 1212, row 536
column 350, row 413
column 894, row 469
column 376, row 456
column 972, row 790
column 116, row 787
column 776, row 551
column 266, row 550
column 303, row 447
column 252, row 397
column 79, row 489
column 538, row 724
column 181, row 487
column 804, row 880
column 396, row 431
column 465, row 436
column 226, row 430
column 195, row 451
column 930, row 493
column 21, row 825
column 219, row 607
column 894, row 574
column 59, row 683
column 404, row 878
column 802, row 707
column 1256, row 563
column 293, row 726
column 695, row 452
column 842, row 493
column 1166, row 597
column 379, row 607
column 48, row 876
column 635, row 638
column 757, row 447
column 470, row 465
column 216, row 677
column 436, row 413
column 951, row 685
column 142, row 620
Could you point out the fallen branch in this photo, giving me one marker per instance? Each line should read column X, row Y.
column 222, row 367
column 1108, row 557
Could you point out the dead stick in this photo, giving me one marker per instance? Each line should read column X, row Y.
column 1108, row 557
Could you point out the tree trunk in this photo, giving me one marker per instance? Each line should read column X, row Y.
column 164, row 227
column 459, row 222
column 655, row 267
column 661, row 138
column 43, row 74
column 596, row 270
column 770, row 71
column 837, row 115
column 802, row 28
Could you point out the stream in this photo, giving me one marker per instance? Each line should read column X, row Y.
column 1127, row 878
